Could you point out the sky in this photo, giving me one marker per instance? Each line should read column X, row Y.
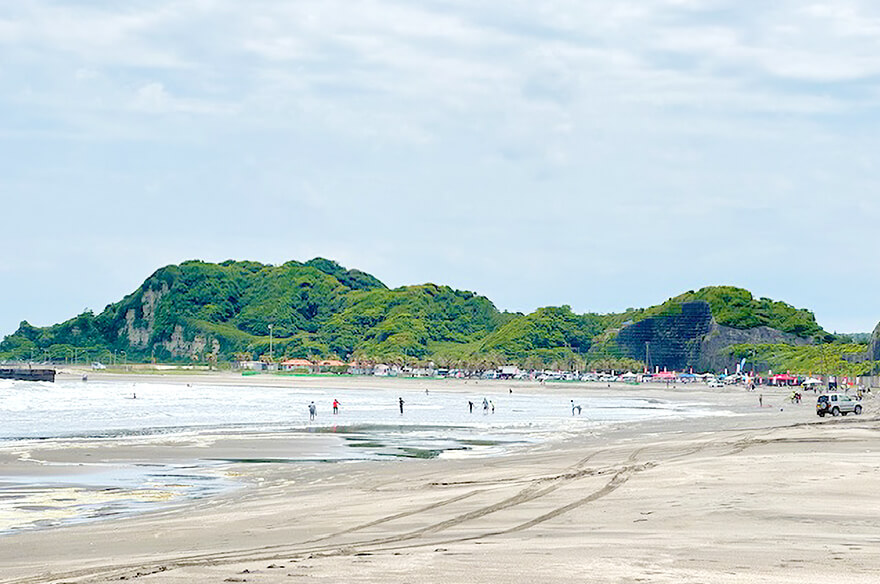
column 603, row 154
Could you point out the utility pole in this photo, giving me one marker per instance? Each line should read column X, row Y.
column 271, row 357
column 648, row 356
column 872, row 357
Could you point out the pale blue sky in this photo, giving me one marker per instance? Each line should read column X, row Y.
column 602, row 154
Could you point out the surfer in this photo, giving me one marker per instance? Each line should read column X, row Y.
column 400, row 403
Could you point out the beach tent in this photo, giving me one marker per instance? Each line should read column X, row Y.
column 812, row 381
column 782, row 379
column 665, row 375
column 629, row 375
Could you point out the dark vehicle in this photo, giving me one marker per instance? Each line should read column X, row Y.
column 837, row 404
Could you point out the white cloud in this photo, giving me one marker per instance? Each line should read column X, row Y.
column 154, row 98
column 564, row 132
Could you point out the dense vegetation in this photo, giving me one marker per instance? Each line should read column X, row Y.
column 737, row 308
column 318, row 309
column 830, row 358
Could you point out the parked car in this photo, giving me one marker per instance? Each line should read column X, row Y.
column 97, row 365
column 715, row 383
column 837, row 404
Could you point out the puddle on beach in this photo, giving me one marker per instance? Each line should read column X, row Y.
column 46, row 501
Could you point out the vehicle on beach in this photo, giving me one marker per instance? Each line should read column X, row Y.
column 837, row 404
column 714, row 383
column 97, row 365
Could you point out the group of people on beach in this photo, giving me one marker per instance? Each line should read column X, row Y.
column 313, row 409
column 488, row 406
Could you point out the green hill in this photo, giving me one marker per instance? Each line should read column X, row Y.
column 199, row 311
column 737, row 308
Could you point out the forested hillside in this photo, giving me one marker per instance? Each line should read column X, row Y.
column 205, row 312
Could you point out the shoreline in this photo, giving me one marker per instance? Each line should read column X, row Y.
column 700, row 499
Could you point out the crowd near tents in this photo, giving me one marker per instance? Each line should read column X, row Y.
column 328, row 366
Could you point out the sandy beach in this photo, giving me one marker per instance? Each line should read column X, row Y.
column 772, row 494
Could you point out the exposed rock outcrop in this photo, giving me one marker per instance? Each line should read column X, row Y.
column 875, row 343
column 691, row 338
column 140, row 321
column 712, row 345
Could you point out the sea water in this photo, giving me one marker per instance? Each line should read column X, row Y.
column 72, row 409
column 369, row 425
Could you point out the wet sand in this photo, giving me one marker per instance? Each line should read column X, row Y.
column 773, row 494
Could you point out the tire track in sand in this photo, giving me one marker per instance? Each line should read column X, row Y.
column 539, row 487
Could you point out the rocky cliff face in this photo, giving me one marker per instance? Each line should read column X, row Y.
column 875, row 343
column 692, row 338
column 712, row 345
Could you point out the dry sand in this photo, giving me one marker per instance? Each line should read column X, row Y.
column 771, row 495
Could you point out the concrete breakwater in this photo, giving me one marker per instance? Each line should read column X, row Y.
column 27, row 374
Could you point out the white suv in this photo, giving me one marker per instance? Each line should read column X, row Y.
column 837, row 404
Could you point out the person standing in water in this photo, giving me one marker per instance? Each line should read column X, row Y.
column 760, row 400
column 470, row 406
column 574, row 407
column 485, row 406
column 335, row 406
column 313, row 411
column 400, row 403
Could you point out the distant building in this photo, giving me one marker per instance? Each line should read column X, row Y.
column 252, row 365
column 357, row 368
column 508, row 371
column 295, row 364
column 328, row 364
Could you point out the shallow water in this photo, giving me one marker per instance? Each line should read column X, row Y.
column 369, row 427
column 109, row 409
